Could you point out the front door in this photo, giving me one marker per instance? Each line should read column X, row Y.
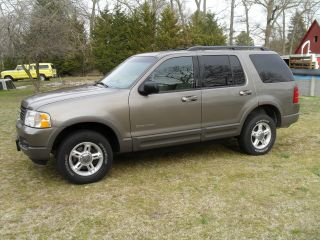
column 172, row 116
column 226, row 94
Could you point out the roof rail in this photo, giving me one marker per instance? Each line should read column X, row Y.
column 197, row 48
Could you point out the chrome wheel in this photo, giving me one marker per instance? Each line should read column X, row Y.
column 86, row 158
column 261, row 135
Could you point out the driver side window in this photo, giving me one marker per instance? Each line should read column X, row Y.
column 174, row 75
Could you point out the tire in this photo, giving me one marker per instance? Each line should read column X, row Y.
column 42, row 77
column 74, row 155
column 9, row 77
column 258, row 134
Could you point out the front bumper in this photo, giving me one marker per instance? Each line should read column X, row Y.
column 33, row 142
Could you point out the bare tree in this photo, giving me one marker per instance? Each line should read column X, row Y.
column 247, row 5
column 274, row 9
column 39, row 31
column 93, row 14
column 198, row 3
column 283, row 32
column 231, row 31
column 180, row 10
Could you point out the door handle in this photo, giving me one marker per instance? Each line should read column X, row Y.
column 189, row 99
column 245, row 92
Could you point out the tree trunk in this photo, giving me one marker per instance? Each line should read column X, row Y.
column 292, row 38
column 198, row 3
column 205, row 6
column 93, row 15
column 231, row 23
column 283, row 33
column 246, row 10
column 154, row 6
column 171, row 5
column 183, row 21
column 35, row 82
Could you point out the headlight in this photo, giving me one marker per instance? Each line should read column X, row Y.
column 37, row 119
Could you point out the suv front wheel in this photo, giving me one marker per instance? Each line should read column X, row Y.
column 258, row 134
column 84, row 157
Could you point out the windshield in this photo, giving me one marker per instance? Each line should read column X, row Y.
column 128, row 72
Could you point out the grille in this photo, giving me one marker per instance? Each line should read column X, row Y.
column 22, row 114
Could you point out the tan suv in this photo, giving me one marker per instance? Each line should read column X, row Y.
column 161, row 99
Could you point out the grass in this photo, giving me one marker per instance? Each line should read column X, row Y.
column 199, row 191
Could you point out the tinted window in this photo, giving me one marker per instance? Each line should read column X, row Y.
column 43, row 66
column 271, row 68
column 174, row 74
column 237, row 71
column 19, row 68
column 216, row 71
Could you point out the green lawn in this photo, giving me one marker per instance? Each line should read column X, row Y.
column 200, row 191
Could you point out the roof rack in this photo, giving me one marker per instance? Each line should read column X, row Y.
column 197, row 48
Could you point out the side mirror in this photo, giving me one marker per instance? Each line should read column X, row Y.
column 148, row 87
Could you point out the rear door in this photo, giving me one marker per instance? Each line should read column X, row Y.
column 172, row 116
column 226, row 95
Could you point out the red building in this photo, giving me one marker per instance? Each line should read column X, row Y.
column 311, row 40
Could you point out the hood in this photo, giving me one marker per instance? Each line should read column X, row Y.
column 6, row 71
column 36, row 101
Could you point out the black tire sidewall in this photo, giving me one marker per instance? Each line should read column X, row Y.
column 245, row 138
column 70, row 142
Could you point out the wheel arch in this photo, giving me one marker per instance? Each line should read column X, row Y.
column 101, row 128
column 269, row 109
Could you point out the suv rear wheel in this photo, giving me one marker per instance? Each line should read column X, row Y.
column 84, row 157
column 258, row 134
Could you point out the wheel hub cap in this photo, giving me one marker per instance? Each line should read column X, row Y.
column 86, row 158
column 261, row 135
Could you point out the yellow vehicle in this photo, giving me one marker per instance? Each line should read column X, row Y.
column 46, row 70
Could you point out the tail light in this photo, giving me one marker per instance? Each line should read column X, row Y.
column 296, row 95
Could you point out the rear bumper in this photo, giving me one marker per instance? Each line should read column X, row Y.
column 286, row 121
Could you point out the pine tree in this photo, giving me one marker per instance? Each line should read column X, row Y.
column 297, row 30
column 243, row 39
column 111, row 40
column 205, row 30
column 169, row 31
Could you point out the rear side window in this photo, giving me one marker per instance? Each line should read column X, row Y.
column 216, row 71
column 271, row 68
column 237, row 71
column 43, row 66
column 219, row 71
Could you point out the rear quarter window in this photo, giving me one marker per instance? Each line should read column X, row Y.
column 271, row 68
column 43, row 66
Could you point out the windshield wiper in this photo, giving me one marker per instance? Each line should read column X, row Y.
column 101, row 83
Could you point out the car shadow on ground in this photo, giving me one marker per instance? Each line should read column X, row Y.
column 175, row 153
column 156, row 157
